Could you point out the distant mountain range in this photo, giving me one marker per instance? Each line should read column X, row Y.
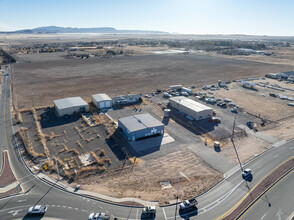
column 102, row 30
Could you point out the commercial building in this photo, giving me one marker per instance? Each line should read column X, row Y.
column 138, row 127
column 126, row 99
column 190, row 107
column 102, row 101
column 70, row 106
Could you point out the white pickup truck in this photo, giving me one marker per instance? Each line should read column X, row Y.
column 188, row 204
column 149, row 211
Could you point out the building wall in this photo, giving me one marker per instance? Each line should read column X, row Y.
column 197, row 115
column 102, row 104
column 70, row 111
column 132, row 136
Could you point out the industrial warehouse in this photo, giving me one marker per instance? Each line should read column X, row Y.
column 102, row 101
column 190, row 107
column 138, row 127
column 70, row 106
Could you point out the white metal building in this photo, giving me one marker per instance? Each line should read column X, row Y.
column 69, row 106
column 190, row 107
column 137, row 127
column 102, row 101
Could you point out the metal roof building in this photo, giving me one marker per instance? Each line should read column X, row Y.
column 137, row 127
column 69, row 106
column 190, row 107
column 126, row 99
column 102, row 101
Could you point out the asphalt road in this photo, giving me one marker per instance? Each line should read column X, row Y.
column 276, row 203
column 65, row 205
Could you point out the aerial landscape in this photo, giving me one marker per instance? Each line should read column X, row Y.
column 120, row 119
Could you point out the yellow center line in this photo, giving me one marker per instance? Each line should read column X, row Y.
column 241, row 200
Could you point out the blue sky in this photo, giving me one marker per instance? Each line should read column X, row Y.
column 260, row 17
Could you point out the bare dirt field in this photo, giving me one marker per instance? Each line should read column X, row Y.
column 143, row 181
column 51, row 76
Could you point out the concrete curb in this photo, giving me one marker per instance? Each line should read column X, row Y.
column 291, row 216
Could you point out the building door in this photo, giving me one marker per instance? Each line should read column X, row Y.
column 102, row 104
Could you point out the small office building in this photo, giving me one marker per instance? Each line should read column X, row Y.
column 102, row 101
column 142, row 126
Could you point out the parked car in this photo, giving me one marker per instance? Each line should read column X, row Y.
column 251, row 124
column 222, row 104
column 291, row 103
column 98, row 216
column 214, row 119
column 234, row 110
column 273, row 95
column 37, row 209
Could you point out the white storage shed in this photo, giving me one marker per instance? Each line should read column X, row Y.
column 102, row 101
column 69, row 106
column 191, row 108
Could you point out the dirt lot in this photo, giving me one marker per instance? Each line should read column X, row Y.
column 143, row 181
column 51, row 76
column 71, row 140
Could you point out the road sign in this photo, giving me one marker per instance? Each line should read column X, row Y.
column 45, row 166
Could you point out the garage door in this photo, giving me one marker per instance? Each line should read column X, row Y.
column 102, row 104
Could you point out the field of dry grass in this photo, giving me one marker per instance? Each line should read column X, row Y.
column 51, row 76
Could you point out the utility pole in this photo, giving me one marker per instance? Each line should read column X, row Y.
column 177, row 195
column 232, row 139
column 32, row 95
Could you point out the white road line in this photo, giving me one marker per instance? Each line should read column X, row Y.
column 164, row 214
column 27, row 181
column 64, row 206
column 22, row 200
column 69, row 207
column 58, row 206
column 263, row 216
column 291, row 148
column 276, row 156
column 76, row 208
column 137, row 214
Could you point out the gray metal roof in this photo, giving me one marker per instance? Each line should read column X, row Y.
column 69, row 102
column 191, row 104
column 101, row 97
column 126, row 97
column 139, row 122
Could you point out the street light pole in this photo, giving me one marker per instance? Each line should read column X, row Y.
column 232, row 139
column 177, row 195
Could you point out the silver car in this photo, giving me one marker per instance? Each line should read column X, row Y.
column 37, row 209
